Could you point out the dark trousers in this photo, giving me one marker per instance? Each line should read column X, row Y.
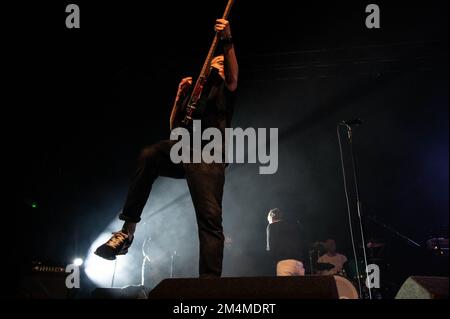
column 205, row 182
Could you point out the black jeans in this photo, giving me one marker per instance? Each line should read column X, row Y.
column 205, row 182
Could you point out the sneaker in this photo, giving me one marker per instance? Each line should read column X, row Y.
column 117, row 245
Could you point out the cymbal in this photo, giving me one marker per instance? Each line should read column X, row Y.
column 373, row 244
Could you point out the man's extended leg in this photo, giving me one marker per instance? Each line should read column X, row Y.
column 154, row 161
column 206, row 182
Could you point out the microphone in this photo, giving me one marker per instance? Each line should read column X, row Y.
column 355, row 122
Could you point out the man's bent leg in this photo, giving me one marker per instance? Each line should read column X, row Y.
column 206, row 182
column 154, row 161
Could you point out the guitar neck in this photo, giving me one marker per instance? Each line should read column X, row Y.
column 206, row 66
column 197, row 91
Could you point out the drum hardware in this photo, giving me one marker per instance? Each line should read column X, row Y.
column 439, row 246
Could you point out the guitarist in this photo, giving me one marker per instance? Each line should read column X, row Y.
column 205, row 181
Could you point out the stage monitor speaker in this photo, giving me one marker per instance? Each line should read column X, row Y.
column 130, row 292
column 307, row 287
column 424, row 288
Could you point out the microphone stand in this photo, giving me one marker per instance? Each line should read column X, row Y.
column 310, row 253
column 172, row 263
column 358, row 201
column 395, row 232
column 145, row 259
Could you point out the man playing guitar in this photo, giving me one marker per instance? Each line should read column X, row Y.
column 205, row 181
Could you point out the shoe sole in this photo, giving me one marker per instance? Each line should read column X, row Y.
column 105, row 257
column 112, row 257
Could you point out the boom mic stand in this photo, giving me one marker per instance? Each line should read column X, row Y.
column 348, row 126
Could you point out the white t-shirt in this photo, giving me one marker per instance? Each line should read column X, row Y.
column 337, row 260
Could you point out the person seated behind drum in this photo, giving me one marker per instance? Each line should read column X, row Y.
column 333, row 258
column 284, row 245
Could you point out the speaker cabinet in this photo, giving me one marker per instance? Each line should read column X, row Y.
column 424, row 288
column 308, row 287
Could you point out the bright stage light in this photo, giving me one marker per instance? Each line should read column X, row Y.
column 78, row 262
column 168, row 234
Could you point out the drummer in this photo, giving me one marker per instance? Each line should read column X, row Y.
column 333, row 258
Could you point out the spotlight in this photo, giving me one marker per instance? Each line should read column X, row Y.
column 78, row 262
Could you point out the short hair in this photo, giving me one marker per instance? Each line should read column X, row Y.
column 276, row 213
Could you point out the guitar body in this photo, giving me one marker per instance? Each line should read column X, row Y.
column 191, row 105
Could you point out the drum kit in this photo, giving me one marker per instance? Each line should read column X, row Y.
column 345, row 288
column 347, row 280
column 345, row 285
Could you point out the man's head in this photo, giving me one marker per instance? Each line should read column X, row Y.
column 274, row 216
column 330, row 246
column 218, row 63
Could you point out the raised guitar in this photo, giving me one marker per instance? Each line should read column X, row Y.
column 190, row 105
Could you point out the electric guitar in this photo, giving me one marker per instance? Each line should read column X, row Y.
column 190, row 104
